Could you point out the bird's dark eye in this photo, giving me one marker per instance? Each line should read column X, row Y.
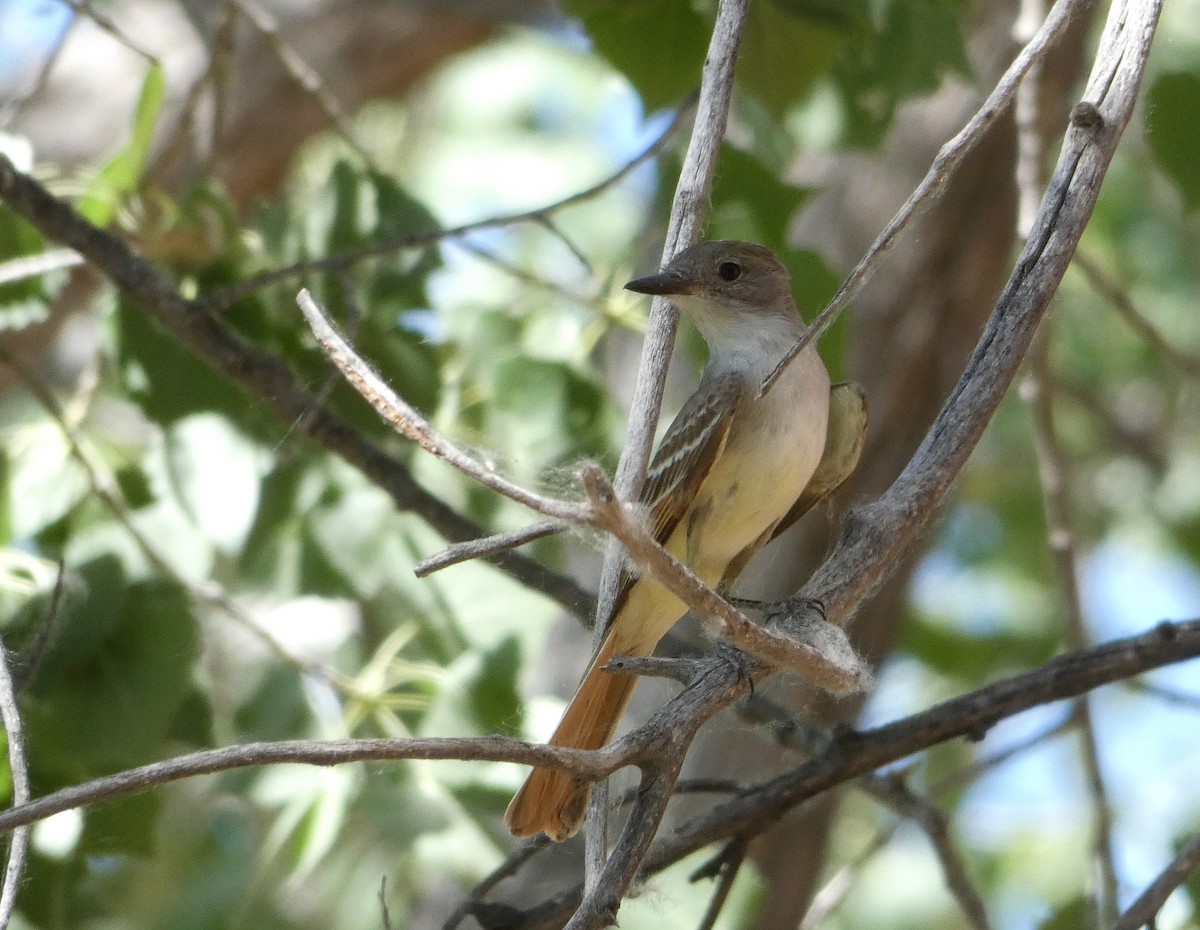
column 730, row 271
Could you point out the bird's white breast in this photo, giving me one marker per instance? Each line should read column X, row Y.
column 772, row 451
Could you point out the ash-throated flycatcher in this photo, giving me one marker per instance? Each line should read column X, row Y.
column 733, row 470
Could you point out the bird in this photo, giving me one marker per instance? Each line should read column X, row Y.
column 733, row 470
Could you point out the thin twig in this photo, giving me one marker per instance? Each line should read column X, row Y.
column 32, row 266
column 893, row 792
column 725, row 868
column 583, row 763
column 1143, row 911
column 1171, row 695
column 830, row 896
column 215, row 74
column 221, row 300
column 487, row 546
column 525, row 276
column 32, row 661
column 1142, row 444
column 384, row 914
column 13, row 108
column 308, row 80
column 673, row 669
column 410, row 424
column 14, row 870
column 1053, row 471
column 1054, row 477
column 948, row 158
column 1116, row 295
column 109, row 25
column 508, row 867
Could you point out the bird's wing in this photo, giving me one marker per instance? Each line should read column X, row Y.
column 844, row 439
column 693, row 442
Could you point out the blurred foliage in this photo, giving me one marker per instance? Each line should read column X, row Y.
column 226, row 581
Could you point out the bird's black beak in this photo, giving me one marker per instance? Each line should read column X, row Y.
column 663, row 283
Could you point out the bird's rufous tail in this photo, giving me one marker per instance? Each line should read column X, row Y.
column 551, row 800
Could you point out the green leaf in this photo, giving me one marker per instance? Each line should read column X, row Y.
column 493, row 692
column 167, row 380
column 277, row 709
column 907, row 55
column 788, row 45
column 547, row 413
column 45, row 480
column 1172, row 115
column 111, row 685
column 1191, row 884
column 971, row 658
column 1070, row 916
column 23, row 302
column 124, row 826
column 123, row 174
column 659, row 45
column 750, row 201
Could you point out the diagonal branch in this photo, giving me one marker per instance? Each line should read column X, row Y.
column 892, row 791
column 692, row 193
column 854, row 753
column 875, row 537
column 948, row 158
column 262, row 375
column 821, row 652
column 1143, row 911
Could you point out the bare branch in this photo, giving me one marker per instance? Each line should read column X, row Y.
column 308, row 80
column 724, row 867
column 509, row 866
column 109, row 25
column 1054, row 476
column 32, row 266
column 264, row 376
column 971, row 715
column 692, row 192
column 584, row 763
column 944, row 164
column 411, row 425
column 26, row 674
column 893, row 792
column 854, row 753
column 681, row 670
column 1121, row 301
column 14, row 870
column 875, row 536
column 1142, row 912
column 487, row 546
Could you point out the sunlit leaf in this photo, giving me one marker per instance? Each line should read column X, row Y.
column 110, row 687
column 123, row 174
